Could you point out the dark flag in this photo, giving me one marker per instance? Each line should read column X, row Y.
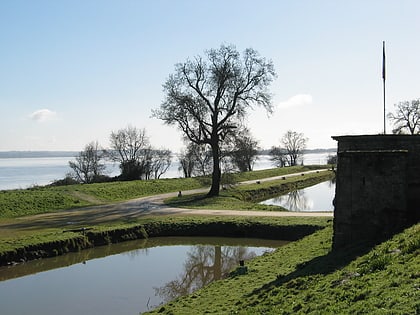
column 383, row 60
column 383, row 80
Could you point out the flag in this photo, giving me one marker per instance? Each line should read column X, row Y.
column 383, row 60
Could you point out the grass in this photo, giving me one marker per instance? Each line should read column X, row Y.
column 268, row 189
column 243, row 197
column 305, row 277
column 227, row 200
column 36, row 200
column 239, row 177
column 21, row 241
column 15, row 203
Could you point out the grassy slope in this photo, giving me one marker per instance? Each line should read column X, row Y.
column 15, row 203
column 304, row 277
column 243, row 197
column 16, row 241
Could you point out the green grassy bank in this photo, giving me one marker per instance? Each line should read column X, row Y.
column 16, row 203
column 246, row 197
column 305, row 277
column 56, row 242
column 302, row 277
column 28, row 237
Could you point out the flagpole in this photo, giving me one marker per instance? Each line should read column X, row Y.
column 383, row 79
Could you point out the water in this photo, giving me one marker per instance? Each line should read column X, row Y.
column 16, row 173
column 128, row 280
column 315, row 198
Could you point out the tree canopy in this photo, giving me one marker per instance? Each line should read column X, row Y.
column 89, row 164
column 138, row 160
column 244, row 150
column 406, row 117
column 293, row 145
column 207, row 97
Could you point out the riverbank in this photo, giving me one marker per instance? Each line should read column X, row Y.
column 306, row 277
column 31, row 169
column 302, row 277
column 37, row 200
column 58, row 242
column 52, row 233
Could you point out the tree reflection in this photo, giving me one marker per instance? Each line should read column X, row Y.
column 204, row 264
column 294, row 201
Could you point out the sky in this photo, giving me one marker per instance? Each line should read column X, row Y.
column 71, row 72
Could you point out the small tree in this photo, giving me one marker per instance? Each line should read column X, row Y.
column 130, row 147
column 294, row 143
column 332, row 159
column 88, row 165
column 278, row 156
column 187, row 162
column 208, row 97
column 160, row 162
column 244, row 151
column 406, row 117
column 197, row 160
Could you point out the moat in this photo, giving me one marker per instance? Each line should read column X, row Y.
column 125, row 278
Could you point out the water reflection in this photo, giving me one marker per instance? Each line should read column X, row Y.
column 134, row 276
column 204, row 264
column 315, row 198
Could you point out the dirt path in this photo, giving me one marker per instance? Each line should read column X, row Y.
column 132, row 209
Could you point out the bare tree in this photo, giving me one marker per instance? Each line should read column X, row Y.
column 186, row 163
column 196, row 161
column 244, row 150
column 406, row 117
column 203, row 160
column 88, row 165
column 332, row 159
column 207, row 97
column 160, row 162
column 203, row 265
column 294, row 143
column 130, row 147
column 278, row 156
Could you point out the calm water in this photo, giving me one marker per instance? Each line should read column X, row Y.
column 122, row 278
column 25, row 172
column 315, row 198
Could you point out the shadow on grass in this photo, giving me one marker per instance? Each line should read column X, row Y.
column 188, row 200
column 321, row 265
column 124, row 212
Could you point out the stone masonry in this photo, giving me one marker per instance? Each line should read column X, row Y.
column 377, row 188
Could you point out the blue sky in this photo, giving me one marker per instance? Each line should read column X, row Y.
column 73, row 71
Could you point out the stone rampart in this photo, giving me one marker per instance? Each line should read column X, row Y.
column 377, row 188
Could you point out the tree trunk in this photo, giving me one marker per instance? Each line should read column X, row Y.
column 217, row 174
column 217, row 267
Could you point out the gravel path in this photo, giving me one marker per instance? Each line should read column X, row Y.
column 152, row 205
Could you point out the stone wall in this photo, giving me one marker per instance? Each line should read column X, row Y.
column 377, row 189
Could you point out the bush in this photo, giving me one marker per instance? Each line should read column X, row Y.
column 332, row 159
column 68, row 180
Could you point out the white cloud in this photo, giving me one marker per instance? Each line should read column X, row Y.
column 43, row 115
column 297, row 100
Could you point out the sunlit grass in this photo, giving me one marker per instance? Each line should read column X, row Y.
column 225, row 201
column 14, row 239
column 305, row 277
column 244, row 197
column 15, row 203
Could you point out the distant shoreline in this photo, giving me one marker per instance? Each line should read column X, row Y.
column 41, row 154
column 36, row 154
